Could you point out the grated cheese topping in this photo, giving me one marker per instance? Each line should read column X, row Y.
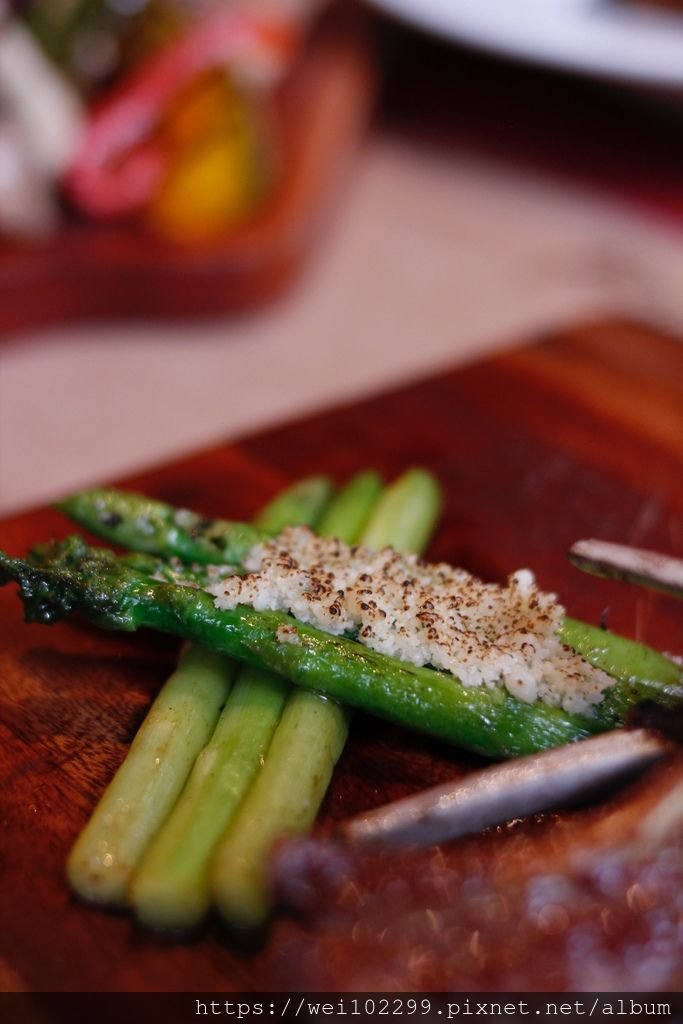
column 482, row 633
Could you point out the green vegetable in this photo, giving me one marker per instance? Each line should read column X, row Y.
column 284, row 799
column 406, row 514
column 149, row 526
column 68, row 576
column 645, row 673
column 286, row 796
column 170, row 888
column 347, row 515
column 149, row 781
column 58, row 26
column 302, row 504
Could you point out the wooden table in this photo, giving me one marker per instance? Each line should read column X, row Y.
column 579, row 435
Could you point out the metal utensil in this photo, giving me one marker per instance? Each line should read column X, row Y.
column 511, row 790
column 622, row 562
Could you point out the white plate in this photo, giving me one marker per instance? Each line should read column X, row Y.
column 615, row 39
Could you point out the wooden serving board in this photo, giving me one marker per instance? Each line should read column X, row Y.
column 88, row 271
column 578, row 435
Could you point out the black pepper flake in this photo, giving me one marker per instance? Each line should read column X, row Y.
column 199, row 527
column 111, row 520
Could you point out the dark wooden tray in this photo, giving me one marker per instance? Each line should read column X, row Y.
column 88, row 271
column 578, row 435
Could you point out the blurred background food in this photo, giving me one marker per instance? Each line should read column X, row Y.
column 149, row 111
column 165, row 164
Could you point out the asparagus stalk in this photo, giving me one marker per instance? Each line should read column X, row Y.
column 645, row 674
column 150, row 526
column 406, row 514
column 65, row 577
column 346, row 517
column 176, row 729
column 284, row 799
column 148, row 782
column 171, row 886
column 143, row 524
column 302, row 504
column 286, row 796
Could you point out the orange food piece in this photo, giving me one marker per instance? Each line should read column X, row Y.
column 216, row 167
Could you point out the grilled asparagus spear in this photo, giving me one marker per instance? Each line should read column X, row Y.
column 69, row 576
column 143, row 524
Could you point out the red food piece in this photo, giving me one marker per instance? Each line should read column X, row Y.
column 120, row 165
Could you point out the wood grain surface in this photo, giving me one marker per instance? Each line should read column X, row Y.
column 88, row 270
column 578, row 435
